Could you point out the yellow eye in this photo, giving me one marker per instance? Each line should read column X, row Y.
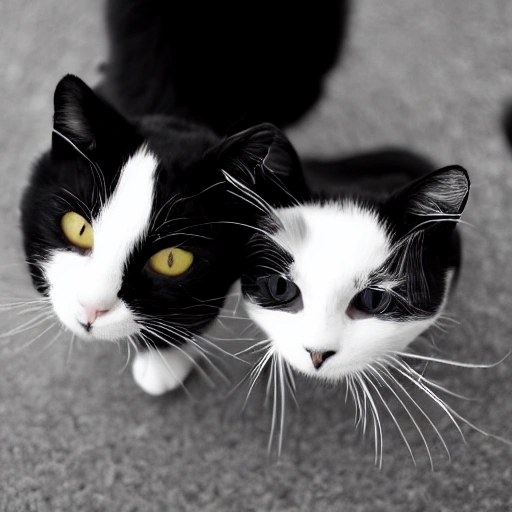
column 77, row 230
column 171, row 262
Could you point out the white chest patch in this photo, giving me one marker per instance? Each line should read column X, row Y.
column 79, row 283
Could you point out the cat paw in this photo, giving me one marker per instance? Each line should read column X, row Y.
column 157, row 372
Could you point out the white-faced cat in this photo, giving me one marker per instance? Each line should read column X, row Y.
column 343, row 286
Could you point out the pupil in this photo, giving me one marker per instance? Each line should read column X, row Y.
column 82, row 230
column 376, row 299
column 170, row 259
column 281, row 286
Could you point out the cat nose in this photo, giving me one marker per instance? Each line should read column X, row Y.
column 93, row 312
column 318, row 358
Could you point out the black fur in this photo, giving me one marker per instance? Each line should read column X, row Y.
column 227, row 65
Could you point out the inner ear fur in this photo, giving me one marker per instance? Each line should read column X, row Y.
column 440, row 196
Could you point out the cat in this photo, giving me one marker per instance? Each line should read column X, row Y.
column 132, row 230
column 342, row 285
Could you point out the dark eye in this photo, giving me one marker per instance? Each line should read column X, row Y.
column 372, row 301
column 282, row 290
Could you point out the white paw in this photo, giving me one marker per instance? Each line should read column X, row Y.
column 157, row 372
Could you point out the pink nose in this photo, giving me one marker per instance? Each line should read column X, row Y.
column 92, row 313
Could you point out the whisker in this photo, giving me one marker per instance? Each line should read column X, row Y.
column 55, row 338
column 376, row 418
column 189, row 339
column 436, row 430
column 451, row 412
column 283, row 402
column 71, row 341
column 395, row 421
column 263, row 345
column 274, row 403
column 255, row 373
column 452, row 363
column 26, row 345
column 432, row 395
column 381, row 378
column 30, row 324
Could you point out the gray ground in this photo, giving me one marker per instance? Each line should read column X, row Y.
column 77, row 434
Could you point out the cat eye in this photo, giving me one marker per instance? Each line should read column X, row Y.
column 171, row 262
column 277, row 292
column 282, row 290
column 372, row 301
column 77, row 230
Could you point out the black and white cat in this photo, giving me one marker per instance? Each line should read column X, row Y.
column 131, row 231
column 343, row 286
column 133, row 226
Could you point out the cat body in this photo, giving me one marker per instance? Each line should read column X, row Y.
column 225, row 65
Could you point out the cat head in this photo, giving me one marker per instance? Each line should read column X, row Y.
column 342, row 285
column 128, row 225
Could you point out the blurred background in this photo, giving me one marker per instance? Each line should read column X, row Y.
column 430, row 76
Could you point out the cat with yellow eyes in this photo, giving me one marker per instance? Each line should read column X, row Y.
column 131, row 230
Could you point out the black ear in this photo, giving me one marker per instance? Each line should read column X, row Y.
column 438, row 197
column 262, row 159
column 82, row 117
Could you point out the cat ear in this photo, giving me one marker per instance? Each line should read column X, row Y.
column 262, row 159
column 438, row 198
column 81, row 116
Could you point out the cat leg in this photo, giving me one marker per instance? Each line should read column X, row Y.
column 157, row 372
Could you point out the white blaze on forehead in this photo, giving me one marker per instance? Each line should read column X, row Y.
column 121, row 224
column 340, row 244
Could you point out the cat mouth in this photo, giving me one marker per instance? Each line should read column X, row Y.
column 318, row 358
column 87, row 326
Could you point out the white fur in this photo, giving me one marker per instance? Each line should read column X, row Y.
column 157, row 372
column 334, row 253
column 93, row 280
